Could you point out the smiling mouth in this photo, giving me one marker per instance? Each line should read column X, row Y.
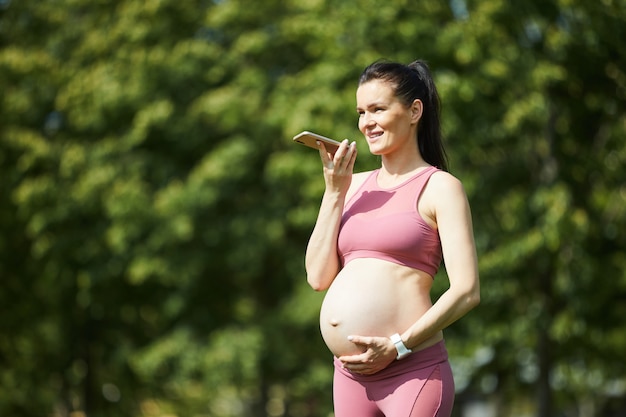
column 374, row 135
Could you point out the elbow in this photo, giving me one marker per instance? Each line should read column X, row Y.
column 467, row 298
column 317, row 287
column 472, row 298
column 316, row 283
column 320, row 278
column 314, row 278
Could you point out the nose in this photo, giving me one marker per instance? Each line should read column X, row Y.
column 367, row 120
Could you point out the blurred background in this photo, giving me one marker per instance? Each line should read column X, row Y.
column 154, row 211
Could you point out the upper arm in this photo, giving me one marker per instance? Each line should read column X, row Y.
column 321, row 259
column 454, row 221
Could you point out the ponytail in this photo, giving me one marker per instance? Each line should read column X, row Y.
column 410, row 82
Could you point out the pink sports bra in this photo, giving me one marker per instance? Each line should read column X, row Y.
column 384, row 223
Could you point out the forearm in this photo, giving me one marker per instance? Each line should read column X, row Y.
column 451, row 306
column 321, row 259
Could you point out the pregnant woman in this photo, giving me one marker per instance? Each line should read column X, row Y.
column 377, row 244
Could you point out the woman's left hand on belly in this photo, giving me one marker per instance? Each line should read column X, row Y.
column 378, row 353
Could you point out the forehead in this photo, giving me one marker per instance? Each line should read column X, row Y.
column 374, row 91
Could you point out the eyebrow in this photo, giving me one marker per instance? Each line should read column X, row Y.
column 374, row 104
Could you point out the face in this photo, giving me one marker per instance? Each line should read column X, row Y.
column 387, row 123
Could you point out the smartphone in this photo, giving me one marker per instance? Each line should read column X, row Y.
column 309, row 139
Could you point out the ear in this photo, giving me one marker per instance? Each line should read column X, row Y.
column 417, row 107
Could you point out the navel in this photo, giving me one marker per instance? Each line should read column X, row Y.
column 334, row 322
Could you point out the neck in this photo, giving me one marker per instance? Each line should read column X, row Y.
column 401, row 163
column 393, row 172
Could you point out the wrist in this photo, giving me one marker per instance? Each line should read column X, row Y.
column 334, row 196
column 401, row 349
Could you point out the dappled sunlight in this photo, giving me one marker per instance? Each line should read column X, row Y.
column 155, row 211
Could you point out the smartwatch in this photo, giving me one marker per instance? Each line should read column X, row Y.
column 403, row 351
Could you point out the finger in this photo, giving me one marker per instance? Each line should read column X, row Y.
column 349, row 158
column 341, row 153
column 352, row 360
column 324, row 156
column 354, row 369
column 357, row 370
column 352, row 157
column 360, row 340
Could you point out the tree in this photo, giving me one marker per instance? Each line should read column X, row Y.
column 545, row 129
column 154, row 211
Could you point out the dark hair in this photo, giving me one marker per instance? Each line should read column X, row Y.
column 410, row 82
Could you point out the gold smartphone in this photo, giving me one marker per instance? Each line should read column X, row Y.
column 309, row 139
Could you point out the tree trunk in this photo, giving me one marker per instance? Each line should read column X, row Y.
column 544, row 393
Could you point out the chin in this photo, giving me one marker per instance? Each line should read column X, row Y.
column 375, row 150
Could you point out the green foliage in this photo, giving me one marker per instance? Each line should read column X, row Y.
column 154, row 212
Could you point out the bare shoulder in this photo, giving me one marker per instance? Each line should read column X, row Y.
column 445, row 182
column 443, row 191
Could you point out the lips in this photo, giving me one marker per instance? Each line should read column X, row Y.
column 374, row 135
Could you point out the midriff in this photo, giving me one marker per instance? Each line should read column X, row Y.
column 372, row 297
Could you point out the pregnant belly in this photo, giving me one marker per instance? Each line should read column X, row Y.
column 371, row 299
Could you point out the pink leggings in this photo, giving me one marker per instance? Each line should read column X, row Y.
column 420, row 385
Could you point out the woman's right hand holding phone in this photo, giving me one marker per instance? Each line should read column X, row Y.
column 338, row 167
